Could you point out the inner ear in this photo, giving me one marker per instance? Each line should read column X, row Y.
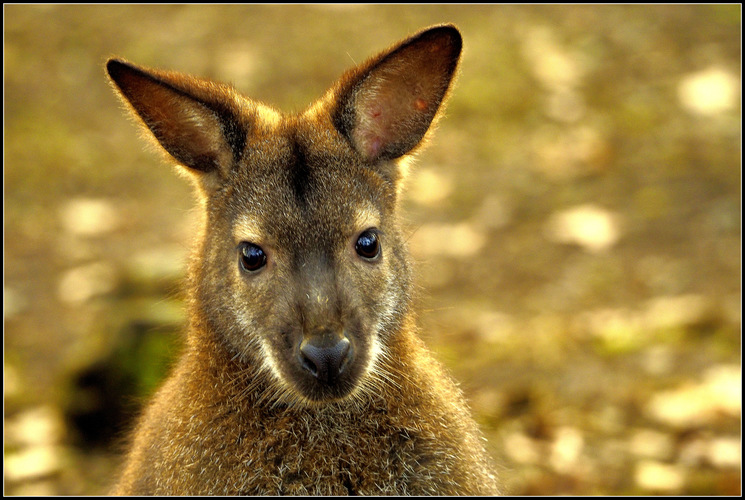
column 386, row 105
column 195, row 120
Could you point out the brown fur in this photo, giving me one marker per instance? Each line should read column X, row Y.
column 303, row 374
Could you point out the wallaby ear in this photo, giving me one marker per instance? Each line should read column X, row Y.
column 386, row 105
column 196, row 121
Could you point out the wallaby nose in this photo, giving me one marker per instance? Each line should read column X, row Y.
column 325, row 356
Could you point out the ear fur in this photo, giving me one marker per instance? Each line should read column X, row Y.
column 385, row 106
column 197, row 121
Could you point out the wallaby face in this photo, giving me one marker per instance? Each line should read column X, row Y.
column 302, row 371
column 302, row 266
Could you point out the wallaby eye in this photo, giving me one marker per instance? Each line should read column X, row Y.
column 368, row 245
column 252, row 257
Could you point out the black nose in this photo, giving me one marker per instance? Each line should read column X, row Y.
column 325, row 356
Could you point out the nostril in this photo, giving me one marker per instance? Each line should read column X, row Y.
column 325, row 362
column 308, row 364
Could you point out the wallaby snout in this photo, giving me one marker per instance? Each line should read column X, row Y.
column 326, row 356
column 328, row 329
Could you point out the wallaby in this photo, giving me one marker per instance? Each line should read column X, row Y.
column 303, row 372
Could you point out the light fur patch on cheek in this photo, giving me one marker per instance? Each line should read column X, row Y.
column 246, row 228
column 268, row 361
column 248, row 330
column 381, row 326
column 375, row 350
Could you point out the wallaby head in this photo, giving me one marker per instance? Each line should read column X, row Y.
column 301, row 271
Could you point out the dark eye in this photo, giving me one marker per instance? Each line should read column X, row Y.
column 368, row 246
column 251, row 257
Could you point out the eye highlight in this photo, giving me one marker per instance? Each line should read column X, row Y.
column 251, row 257
column 368, row 245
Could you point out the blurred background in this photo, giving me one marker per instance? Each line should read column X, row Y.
column 576, row 223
